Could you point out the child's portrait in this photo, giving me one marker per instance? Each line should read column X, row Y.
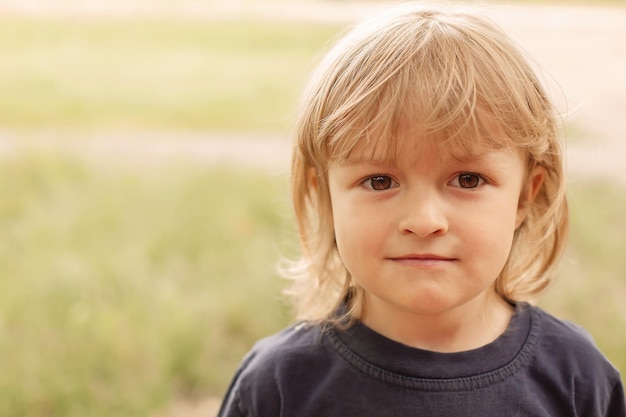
column 429, row 192
column 312, row 208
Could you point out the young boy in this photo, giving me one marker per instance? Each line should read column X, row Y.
column 429, row 191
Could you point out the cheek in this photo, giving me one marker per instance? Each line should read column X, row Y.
column 493, row 234
column 360, row 235
column 349, row 227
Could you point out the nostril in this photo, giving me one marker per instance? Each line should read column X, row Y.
column 425, row 224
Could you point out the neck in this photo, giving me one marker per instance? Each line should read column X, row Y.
column 470, row 326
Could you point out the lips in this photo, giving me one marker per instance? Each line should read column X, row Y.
column 423, row 257
column 420, row 259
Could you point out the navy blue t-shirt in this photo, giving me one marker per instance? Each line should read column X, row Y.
column 540, row 366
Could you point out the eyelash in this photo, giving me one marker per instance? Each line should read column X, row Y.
column 368, row 182
column 481, row 179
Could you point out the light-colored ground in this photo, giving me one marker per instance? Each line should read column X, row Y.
column 581, row 52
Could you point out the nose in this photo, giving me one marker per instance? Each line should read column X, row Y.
column 424, row 215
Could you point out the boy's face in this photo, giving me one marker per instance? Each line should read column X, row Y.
column 430, row 233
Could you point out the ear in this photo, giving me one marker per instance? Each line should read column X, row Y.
column 531, row 188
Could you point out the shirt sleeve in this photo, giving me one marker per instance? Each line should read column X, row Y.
column 252, row 392
column 617, row 404
column 230, row 404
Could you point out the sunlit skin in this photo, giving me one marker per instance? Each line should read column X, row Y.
column 427, row 235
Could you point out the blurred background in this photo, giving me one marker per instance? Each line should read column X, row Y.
column 144, row 149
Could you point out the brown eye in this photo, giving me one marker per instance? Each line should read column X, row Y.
column 469, row 180
column 380, row 182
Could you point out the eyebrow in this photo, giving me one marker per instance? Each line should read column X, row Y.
column 493, row 158
column 466, row 158
column 458, row 157
column 366, row 161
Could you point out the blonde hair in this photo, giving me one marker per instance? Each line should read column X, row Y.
column 451, row 74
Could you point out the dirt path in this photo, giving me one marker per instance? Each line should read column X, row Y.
column 582, row 52
column 587, row 158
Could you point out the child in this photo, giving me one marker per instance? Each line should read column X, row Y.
column 429, row 192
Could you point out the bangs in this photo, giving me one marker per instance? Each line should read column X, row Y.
column 430, row 79
column 463, row 137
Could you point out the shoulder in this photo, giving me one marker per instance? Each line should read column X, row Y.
column 293, row 344
column 268, row 371
column 568, row 368
column 567, row 356
column 569, row 342
column 563, row 330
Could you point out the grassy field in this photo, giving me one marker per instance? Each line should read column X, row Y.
column 122, row 292
column 126, row 290
column 152, row 73
column 591, row 289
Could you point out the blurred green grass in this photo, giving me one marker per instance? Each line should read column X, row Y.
column 591, row 290
column 142, row 73
column 124, row 291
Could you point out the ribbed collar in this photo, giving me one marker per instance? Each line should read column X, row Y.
column 394, row 362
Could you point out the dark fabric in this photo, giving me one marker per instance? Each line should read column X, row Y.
column 540, row 366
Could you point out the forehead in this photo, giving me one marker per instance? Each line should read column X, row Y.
column 409, row 141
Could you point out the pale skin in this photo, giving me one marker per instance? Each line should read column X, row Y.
column 426, row 237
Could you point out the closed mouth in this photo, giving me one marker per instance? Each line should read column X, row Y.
column 423, row 260
column 422, row 257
